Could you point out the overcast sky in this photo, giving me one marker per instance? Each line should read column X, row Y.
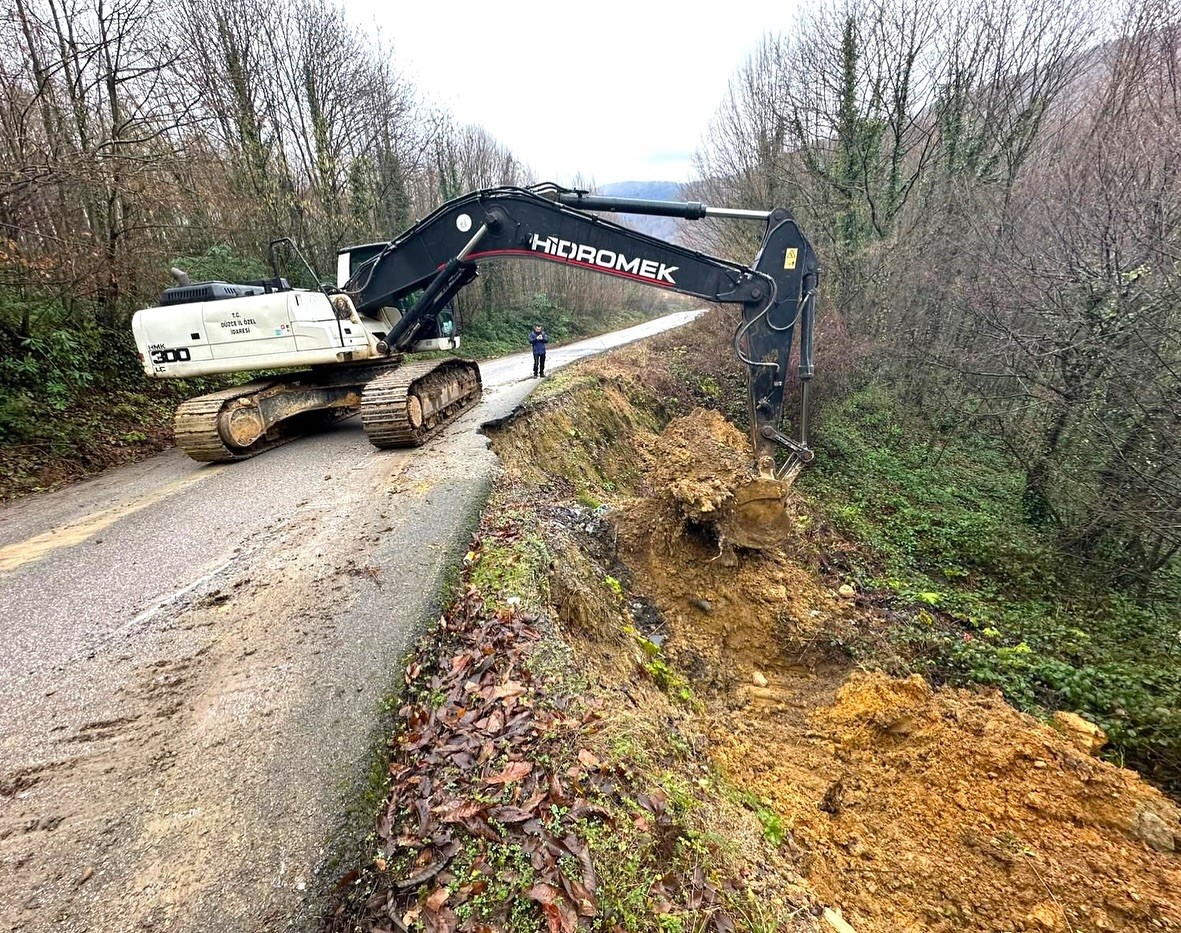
column 616, row 91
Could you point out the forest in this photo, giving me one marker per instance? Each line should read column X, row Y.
column 135, row 137
column 995, row 194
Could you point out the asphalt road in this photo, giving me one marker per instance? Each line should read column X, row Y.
column 193, row 661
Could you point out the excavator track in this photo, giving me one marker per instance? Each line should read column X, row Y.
column 196, row 426
column 409, row 406
column 246, row 420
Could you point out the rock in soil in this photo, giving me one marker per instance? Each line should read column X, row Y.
column 1086, row 735
column 833, row 922
column 1153, row 831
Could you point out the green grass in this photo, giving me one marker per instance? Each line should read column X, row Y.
column 512, row 564
column 985, row 597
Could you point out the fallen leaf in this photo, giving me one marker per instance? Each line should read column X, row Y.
column 543, row 893
column 553, row 918
column 480, row 828
column 435, row 901
column 557, row 793
column 444, row 855
column 513, row 771
column 461, row 812
column 348, row 878
column 580, row 895
column 582, row 809
column 423, row 812
column 510, row 815
column 588, row 759
column 463, row 761
column 581, row 851
column 569, row 917
column 722, row 923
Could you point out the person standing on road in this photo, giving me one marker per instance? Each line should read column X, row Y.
column 539, row 338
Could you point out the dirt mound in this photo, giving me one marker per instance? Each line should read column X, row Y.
column 697, row 462
column 910, row 809
column 923, row 810
column 700, row 471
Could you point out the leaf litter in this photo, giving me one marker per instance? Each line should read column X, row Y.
column 488, row 758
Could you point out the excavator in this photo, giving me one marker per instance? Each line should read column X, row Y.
column 393, row 298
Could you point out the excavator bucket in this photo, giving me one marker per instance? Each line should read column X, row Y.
column 760, row 519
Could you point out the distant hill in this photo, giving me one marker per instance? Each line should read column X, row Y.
column 653, row 190
column 663, row 227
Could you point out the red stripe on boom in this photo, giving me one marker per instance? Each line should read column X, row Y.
column 537, row 254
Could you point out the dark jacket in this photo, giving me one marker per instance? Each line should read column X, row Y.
column 539, row 341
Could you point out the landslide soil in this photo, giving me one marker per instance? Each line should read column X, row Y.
column 907, row 808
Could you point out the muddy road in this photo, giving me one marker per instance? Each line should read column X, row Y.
column 193, row 665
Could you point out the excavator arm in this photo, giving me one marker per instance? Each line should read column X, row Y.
column 439, row 255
